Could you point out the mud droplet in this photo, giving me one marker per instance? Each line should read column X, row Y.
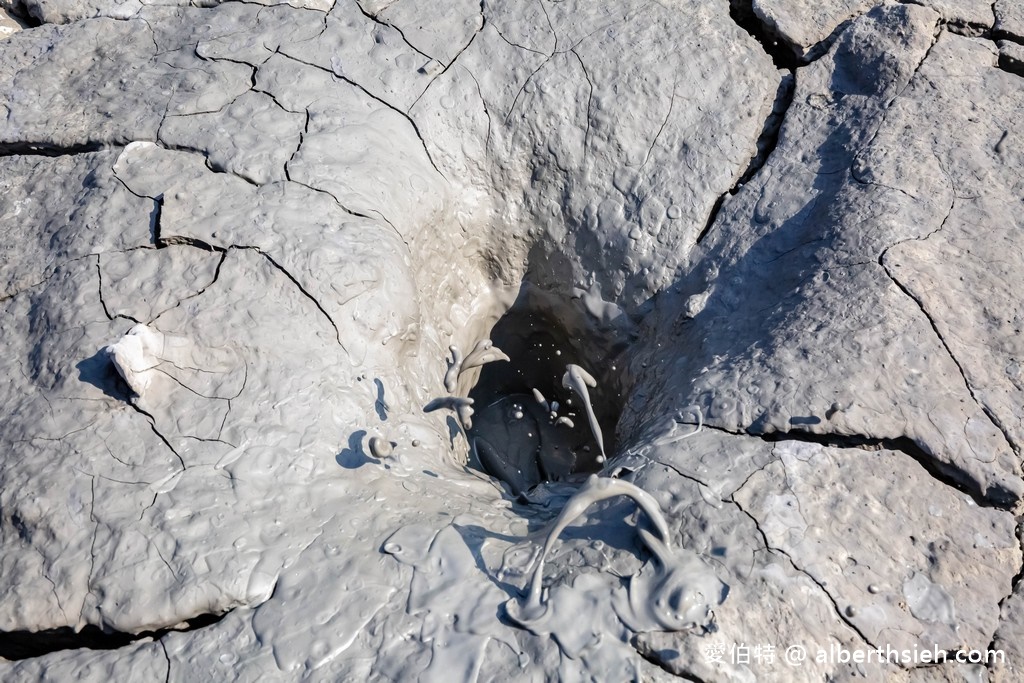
column 577, row 379
column 484, row 352
column 380, row 448
column 452, row 375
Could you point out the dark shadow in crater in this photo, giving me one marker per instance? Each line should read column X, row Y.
column 21, row 13
column 521, row 440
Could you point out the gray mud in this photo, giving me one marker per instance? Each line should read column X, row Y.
column 410, row 341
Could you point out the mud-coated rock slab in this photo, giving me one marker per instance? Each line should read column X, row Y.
column 116, row 545
column 903, row 574
column 771, row 603
column 809, row 27
column 824, row 334
column 66, row 11
column 438, row 33
column 141, row 661
column 878, row 570
column 53, row 208
column 1011, row 57
column 141, row 285
column 973, row 16
column 619, row 157
column 964, row 282
column 252, row 137
column 804, row 25
column 1008, row 640
column 241, row 241
column 1010, row 18
column 98, row 82
column 370, row 54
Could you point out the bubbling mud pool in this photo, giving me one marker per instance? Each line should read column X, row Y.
column 544, row 403
column 538, row 402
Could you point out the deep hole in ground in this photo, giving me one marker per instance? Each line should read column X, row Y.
column 524, row 439
column 20, row 12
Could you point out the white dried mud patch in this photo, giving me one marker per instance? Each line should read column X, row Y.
column 301, row 209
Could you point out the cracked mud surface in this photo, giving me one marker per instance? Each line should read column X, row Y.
column 797, row 223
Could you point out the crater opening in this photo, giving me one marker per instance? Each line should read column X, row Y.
column 528, row 426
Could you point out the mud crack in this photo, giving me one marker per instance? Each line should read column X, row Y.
column 768, row 546
column 48, row 149
column 766, row 143
column 19, row 645
column 993, row 418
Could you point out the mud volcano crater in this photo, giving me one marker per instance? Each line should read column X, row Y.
column 528, row 426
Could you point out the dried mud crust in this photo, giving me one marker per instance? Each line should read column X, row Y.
column 799, row 228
